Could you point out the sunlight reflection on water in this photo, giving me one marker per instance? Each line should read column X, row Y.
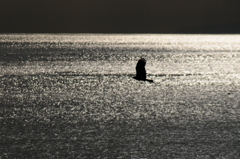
column 150, row 42
column 73, row 95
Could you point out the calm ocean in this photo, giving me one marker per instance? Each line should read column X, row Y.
column 73, row 96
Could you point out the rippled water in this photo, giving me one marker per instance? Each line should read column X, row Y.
column 73, row 95
column 117, row 53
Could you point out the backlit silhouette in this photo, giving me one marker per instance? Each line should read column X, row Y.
column 141, row 71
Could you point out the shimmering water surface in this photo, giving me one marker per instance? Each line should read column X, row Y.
column 73, row 96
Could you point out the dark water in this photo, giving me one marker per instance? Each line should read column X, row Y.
column 73, row 96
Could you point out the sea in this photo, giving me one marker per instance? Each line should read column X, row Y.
column 74, row 96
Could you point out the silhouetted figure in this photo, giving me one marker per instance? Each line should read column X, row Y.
column 141, row 71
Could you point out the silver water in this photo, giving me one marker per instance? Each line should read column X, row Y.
column 73, row 96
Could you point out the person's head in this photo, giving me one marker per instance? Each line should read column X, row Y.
column 142, row 62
